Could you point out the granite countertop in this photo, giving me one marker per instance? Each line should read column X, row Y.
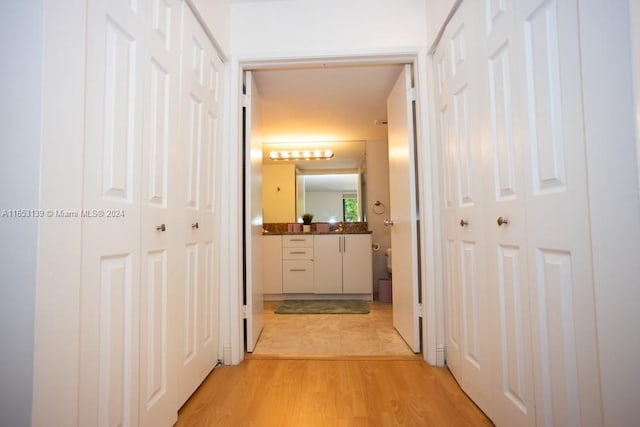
column 282, row 228
column 284, row 233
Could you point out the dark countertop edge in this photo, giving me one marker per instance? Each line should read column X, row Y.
column 286, row 233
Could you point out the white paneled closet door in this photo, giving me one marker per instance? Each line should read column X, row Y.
column 200, row 134
column 148, row 226
column 537, row 286
column 159, row 206
column 110, row 335
column 565, row 357
column 468, row 351
column 503, row 139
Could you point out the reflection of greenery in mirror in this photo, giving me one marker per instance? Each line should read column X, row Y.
column 350, row 208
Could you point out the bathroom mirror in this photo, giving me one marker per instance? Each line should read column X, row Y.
column 332, row 190
column 331, row 197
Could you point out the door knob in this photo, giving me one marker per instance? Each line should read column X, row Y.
column 463, row 223
column 161, row 227
column 388, row 222
column 195, row 226
column 502, row 221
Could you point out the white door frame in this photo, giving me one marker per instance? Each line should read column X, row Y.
column 428, row 201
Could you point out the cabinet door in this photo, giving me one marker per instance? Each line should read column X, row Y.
column 272, row 264
column 357, row 276
column 297, row 276
column 327, row 276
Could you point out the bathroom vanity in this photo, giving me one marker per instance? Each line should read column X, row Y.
column 317, row 265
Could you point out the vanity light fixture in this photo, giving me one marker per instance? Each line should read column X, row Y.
column 301, row 155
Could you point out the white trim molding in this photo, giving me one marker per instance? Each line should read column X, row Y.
column 433, row 325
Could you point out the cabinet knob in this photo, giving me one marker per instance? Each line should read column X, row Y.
column 463, row 223
column 502, row 221
column 195, row 226
column 388, row 222
column 161, row 227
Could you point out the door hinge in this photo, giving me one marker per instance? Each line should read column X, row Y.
column 244, row 311
column 420, row 313
column 412, row 94
column 244, row 100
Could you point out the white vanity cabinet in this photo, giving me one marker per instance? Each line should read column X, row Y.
column 297, row 264
column 357, row 273
column 272, row 264
column 321, row 264
column 343, row 264
column 327, row 277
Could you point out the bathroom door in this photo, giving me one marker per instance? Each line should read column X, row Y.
column 253, row 214
column 403, row 218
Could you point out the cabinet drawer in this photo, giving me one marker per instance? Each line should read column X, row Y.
column 297, row 253
column 297, row 241
column 297, row 276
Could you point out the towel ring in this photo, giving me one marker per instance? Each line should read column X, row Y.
column 378, row 208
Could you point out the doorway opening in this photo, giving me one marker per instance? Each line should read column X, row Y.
column 341, row 123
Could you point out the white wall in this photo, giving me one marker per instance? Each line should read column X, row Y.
column 378, row 189
column 437, row 13
column 272, row 28
column 56, row 360
column 215, row 14
column 634, row 15
column 21, row 32
column 324, row 205
column 614, row 205
column 279, row 193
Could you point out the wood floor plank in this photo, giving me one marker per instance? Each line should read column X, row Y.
column 277, row 392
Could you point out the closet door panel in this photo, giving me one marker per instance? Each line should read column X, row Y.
column 161, row 255
column 558, row 229
column 110, row 296
column 208, row 302
column 470, row 303
column 512, row 371
column 190, row 304
column 512, row 376
column 502, row 141
column 454, row 309
column 548, row 169
column 200, row 130
column 467, row 225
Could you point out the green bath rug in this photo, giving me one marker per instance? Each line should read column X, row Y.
column 323, row 307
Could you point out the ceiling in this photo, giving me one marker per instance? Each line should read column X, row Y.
column 325, row 104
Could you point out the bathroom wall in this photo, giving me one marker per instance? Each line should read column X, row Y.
column 324, row 205
column 279, row 193
column 378, row 190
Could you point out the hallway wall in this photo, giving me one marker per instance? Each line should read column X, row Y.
column 272, row 27
column 216, row 15
column 21, row 31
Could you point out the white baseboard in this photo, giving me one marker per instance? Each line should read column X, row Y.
column 441, row 355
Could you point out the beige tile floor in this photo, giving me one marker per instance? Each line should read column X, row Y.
column 331, row 334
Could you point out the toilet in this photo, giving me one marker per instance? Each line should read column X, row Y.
column 389, row 260
column 384, row 285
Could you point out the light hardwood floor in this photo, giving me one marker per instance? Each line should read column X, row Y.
column 330, row 370
column 280, row 392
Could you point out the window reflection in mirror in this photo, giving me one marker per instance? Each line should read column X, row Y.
column 331, row 197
